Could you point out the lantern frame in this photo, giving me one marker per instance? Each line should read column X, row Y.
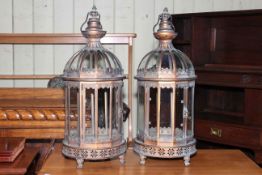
column 93, row 91
column 166, row 83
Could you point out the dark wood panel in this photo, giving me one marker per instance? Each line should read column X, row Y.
column 253, row 109
column 238, row 40
column 225, row 48
column 237, row 135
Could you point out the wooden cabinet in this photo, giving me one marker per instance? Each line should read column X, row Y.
column 226, row 50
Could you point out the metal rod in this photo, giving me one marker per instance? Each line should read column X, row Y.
column 192, row 110
column 174, row 94
column 83, row 108
column 80, row 119
column 120, row 107
column 110, row 113
column 185, row 111
column 67, row 109
column 106, row 112
column 146, row 111
column 130, row 95
column 172, row 100
column 93, row 113
column 158, row 112
column 96, row 114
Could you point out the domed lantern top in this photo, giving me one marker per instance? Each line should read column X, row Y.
column 165, row 62
column 93, row 62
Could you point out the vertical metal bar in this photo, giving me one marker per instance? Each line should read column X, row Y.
column 96, row 114
column 172, row 96
column 93, row 113
column 158, row 112
column 110, row 113
column 106, row 112
column 67, row 109
column 120, row 110
column 146, row 112
column 83, row 109
column 130, row 118
column 80, row 115
column 192, row 109
column 185, row 111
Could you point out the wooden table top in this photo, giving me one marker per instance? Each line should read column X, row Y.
column 205, row 162
column 21, row 163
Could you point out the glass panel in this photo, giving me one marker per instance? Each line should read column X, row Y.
column 152, row 62
column 74, row 117
column 190, row 131
column 120, row 113
column 90, row 113
column 167, row 60
column 115, row 103
column 165, row 114
column 103, row 113
column 153, row 113
column 141, row 113
column 179, row 102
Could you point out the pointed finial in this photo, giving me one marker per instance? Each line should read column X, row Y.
column 94, row 8
column 165, row 10
column 94, row 5
column 166, row 29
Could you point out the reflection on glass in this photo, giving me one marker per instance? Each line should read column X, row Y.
column 141, row 113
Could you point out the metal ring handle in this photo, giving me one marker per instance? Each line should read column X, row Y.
column 170, row 22
column 81, row 28
column 156, row 24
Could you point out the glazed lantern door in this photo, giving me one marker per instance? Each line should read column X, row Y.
column 72, row 114
column 142, row 125
column 188, row 112
column 166, row 115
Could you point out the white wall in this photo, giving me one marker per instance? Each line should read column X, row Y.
column 63, row 16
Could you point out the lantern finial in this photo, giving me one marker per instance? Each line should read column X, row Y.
column 94, row 28
column 166, row 29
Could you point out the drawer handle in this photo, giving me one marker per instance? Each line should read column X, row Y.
column 216, row 132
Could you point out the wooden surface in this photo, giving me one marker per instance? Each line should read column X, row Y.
column 67, row 38
column 205, row 162
column 32, row 112
column 21, row 164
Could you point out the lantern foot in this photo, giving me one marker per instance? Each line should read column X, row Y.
column 122, row 159
column 80, row 162
column 142, row 159
column 187, row 160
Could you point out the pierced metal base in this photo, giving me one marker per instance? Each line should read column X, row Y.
column 81, row 154
column 168, row 152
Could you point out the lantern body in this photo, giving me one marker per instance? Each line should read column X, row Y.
column 93, row 100
column 166, row 82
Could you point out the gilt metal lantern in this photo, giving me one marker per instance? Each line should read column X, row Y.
column 93, row 99
column 166, row 81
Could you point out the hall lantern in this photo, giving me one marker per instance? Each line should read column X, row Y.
column 93, row 79
column 165, row 82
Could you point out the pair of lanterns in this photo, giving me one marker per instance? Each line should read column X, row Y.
column 93, row 99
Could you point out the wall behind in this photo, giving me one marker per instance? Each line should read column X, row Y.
column 66, row 16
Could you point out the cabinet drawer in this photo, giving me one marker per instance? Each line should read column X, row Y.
column 229, row 134
column 234, row 79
